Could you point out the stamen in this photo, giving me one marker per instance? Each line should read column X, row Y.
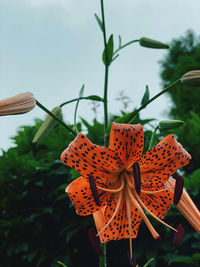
column 137, row 178
column 114, row 213
column 129, row 224
column 178, row 190
column 113, row 190
column 94, row 190
column 178, row 235
column 95, row 242
column 154, row 192
column 153, row 215
column 146, row 220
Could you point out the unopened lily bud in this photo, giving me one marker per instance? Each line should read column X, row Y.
column 18, row 104
column 170, row 124
column 186, row 206
column 150, row 43
column 191, row 78
column 48, row 124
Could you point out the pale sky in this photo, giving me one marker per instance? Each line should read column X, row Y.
column 52, row 47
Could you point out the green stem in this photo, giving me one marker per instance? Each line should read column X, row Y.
column 75, row 99
column 105, row 99
column 121, row 47
column 156, row 96
column 75, row 114
column 55, row 117
column 152, row 137
column 102, row 260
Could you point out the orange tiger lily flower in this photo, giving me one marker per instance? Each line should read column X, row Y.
column 118, row 183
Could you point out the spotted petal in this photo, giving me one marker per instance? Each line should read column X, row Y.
column 159, row 163
column 89, row 159
column 119, row 226
column 81, row 196
column 128, row 141
column 158, row 203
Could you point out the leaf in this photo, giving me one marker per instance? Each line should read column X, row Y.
column 148, row 262
column 196, row 257
column 81, row 91
column 181, row 258
column 145, row 97
column 94, row 97
column 120, row 41
column 99, row 21
column 110, row 50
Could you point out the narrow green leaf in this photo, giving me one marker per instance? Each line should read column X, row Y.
column 110, row 50
column 120, row 41
column 148, row 262
column 76, row 108
column 146, row 96
column 95, row 97
column 99, row 22
column 62, row 264
column 81, row 91
column 181, row 258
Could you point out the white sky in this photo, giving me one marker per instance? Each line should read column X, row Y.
column 52, row 47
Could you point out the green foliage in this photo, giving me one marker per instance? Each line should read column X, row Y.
column 38, row 224
column 146, row 96
column 110, row 50
column 183, row 56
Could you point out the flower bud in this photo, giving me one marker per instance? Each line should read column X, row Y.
column 18, row 104
column 47, row 125
column 170, row 124
column 146, row 42
column 191, row 78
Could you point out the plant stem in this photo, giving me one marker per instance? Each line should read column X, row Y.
column 55, row 117
column 152, row 137
column 156, row 96
column 105, row 99
column 102, row 260
column 75, row 99
column 121, row 47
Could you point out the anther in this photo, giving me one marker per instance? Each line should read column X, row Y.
column 95, row 242
column 178, row 190
column 94, row 190
column 137, row 178
column 178, row 235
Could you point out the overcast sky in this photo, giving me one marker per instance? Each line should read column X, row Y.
column 52, row 47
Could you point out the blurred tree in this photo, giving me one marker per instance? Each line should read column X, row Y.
column 183, row 56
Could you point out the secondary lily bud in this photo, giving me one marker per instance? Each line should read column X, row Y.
column 191, row 78
column 178, row 235
column 18, row 104
column 48, row 124
column 170, row 124
column 150, row 43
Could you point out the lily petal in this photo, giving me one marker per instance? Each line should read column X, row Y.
column 159, row 163
column 89, row 159
column 128, row 141
column 81, row 196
